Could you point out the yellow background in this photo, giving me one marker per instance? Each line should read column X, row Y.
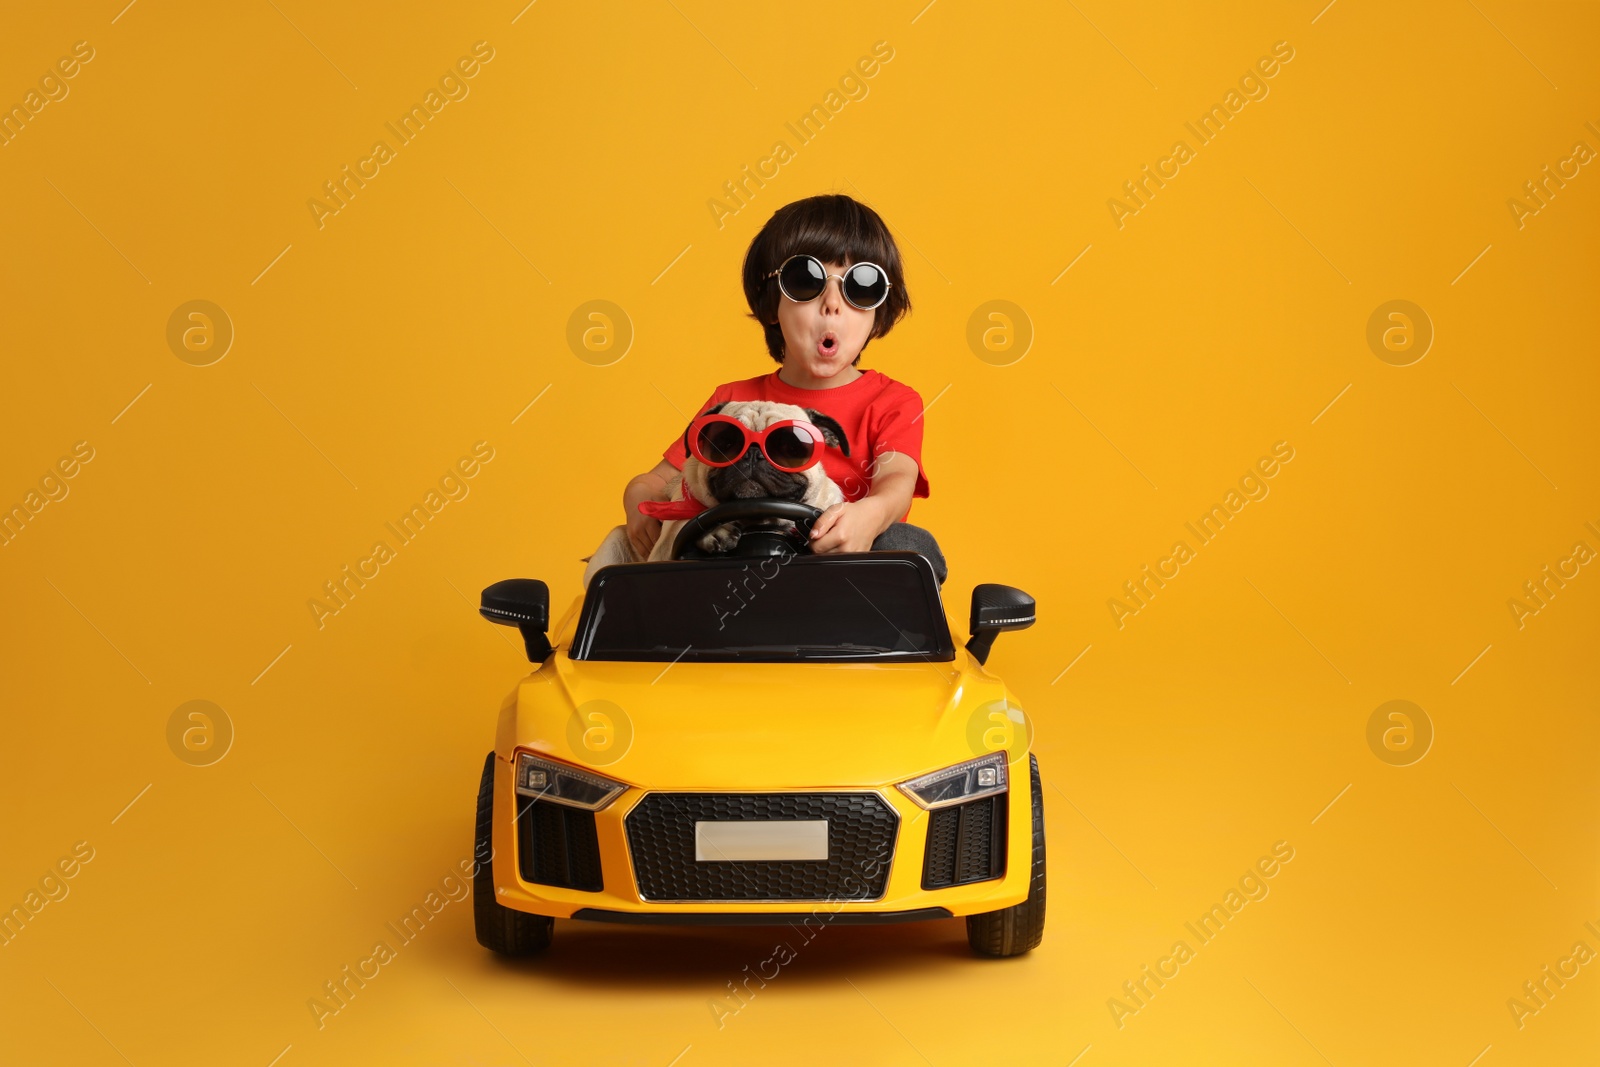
column 428, row 314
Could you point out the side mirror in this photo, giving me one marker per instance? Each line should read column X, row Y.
column 525, row 604
column 996, row 608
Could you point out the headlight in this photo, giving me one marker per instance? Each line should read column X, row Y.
column 560, row 783
column 972, row 780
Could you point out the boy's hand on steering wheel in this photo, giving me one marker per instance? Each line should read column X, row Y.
column 848, row 527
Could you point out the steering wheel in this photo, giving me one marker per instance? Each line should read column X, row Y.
column 773, row 541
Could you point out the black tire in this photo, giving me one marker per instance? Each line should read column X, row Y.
column 500, row 929
column 1019, row 928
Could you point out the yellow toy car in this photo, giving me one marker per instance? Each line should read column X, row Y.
column 761, row 738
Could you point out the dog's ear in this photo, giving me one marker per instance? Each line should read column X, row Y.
column 832, row 432
column 707, row 411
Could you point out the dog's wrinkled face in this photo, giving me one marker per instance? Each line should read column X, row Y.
column 753, row 475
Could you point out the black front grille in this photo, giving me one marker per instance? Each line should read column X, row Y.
column 966, row 843
column 557, row 845
column 861, row 839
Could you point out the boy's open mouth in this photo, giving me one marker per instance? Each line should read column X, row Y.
column 828, row 345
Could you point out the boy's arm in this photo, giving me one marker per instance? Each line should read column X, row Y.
column 853, row 526
column 651, row 485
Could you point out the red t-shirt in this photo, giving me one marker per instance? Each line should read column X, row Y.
column 877, row 413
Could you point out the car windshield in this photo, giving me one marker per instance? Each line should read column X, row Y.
column 880, row 606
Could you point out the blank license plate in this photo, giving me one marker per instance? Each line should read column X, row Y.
column 789, row 839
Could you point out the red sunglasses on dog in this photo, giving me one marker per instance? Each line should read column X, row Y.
column 792, row 445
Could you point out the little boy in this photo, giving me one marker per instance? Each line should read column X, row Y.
column 823, row 277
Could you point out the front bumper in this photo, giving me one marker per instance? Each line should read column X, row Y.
column 614, row 893
column 757, row 918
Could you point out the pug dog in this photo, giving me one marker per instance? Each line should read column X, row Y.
column 752, row 476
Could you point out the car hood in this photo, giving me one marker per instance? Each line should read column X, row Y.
column 753, row 725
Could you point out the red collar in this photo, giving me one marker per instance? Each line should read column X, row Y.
column 686, row 508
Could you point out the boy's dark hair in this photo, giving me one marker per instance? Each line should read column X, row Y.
column 834, row 228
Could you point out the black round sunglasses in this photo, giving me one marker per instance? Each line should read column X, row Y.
column 802, row 277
